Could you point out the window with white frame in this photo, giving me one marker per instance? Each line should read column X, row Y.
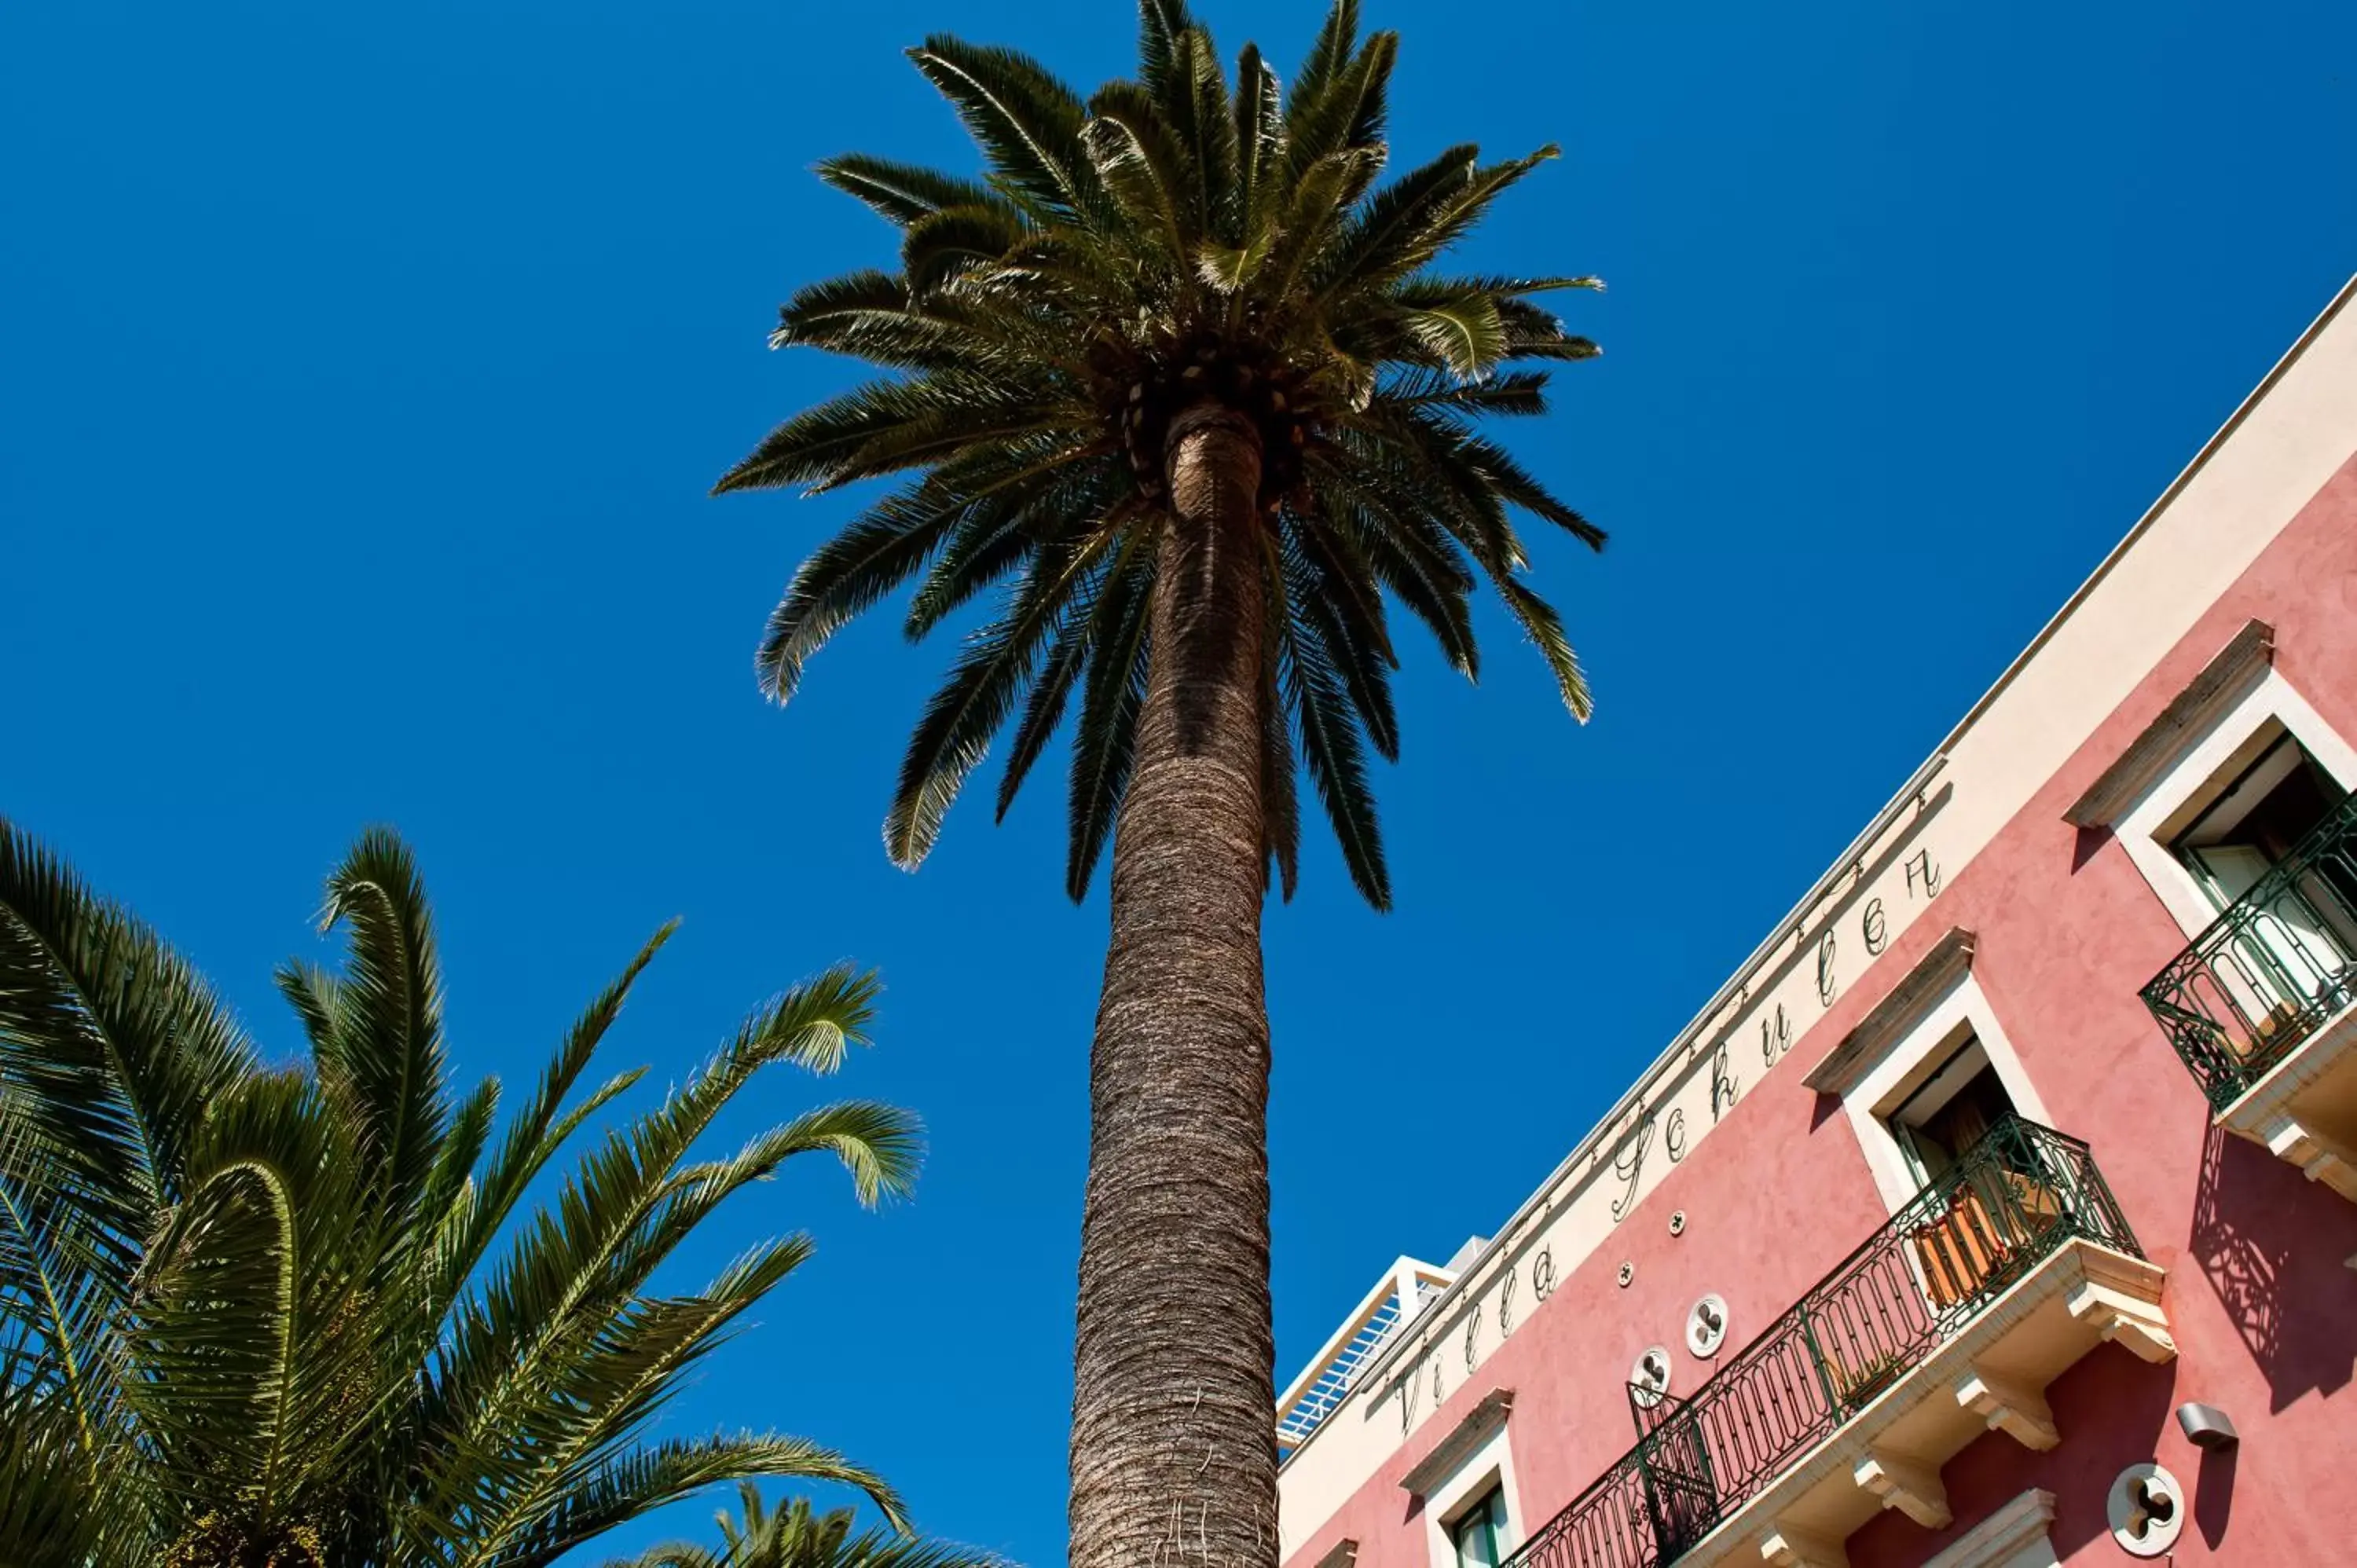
column 2301, row 936
column 1477, row 1535
column 2014, row 1535
column 2233, row 803
column 1930, row 1086
column 1465, row 1489
column 1940, row 1120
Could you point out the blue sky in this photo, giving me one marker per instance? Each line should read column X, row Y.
column 366, row 366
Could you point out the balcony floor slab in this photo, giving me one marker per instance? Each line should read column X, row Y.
column 2304, row 1110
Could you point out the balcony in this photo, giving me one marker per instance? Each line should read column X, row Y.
column 1950, row 1321
column 2262, row 1006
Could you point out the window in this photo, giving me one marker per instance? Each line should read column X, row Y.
column 1962, row 1100
column 1465, row 1489
column 2257, row 818
column 1983, row 1204
column 1478, row 1534
column 2231, row 800
column 1926, row 1073
column 2301, row 935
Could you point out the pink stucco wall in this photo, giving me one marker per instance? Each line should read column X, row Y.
column 2262, row 1306
column 2263, row 1309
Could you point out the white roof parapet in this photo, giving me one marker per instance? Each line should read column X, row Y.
column 1396, row 1299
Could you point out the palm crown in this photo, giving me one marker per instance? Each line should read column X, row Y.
column 286, row 1317
column 1171, row 239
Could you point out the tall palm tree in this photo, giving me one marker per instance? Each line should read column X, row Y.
column 1180, row 378
column 286, row 1317
column 794, row 1537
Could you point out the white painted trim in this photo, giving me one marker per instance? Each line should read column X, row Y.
column 1472, row 1431
column 1490, row 1465
column 2012, row 1537
column 1896, row 1013
column 2145, row 827
column 1885, row 1078
column 2228, row 672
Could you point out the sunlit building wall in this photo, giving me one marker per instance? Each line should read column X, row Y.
column 2001, row 1210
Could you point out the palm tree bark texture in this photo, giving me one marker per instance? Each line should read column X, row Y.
column 1174, row 1456
column 1179, row 390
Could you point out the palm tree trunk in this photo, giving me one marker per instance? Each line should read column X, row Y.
column 1174, row 1438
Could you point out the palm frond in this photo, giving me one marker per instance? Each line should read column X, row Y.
column 797, row 1536
column 1392, row 220
column 1280, row 805
column 1106, row 744
column 1160, row 23
column 955, row 731
column 1409, row 556
column 854, row 570
column 1027, row 121
column 1545, row 628
column 1196, row 104
column 1144, row 171
column 1066, row 498
column 1351, row 635
column 534, row 1137
column 111, row 1042
column 647, row 1478
column 1260, row 138
column 1516, row 393
column 1331, row 746
column 386, row 1048
column 1348, row 114
column 1094, row 615
column 112, row 1050
column 902, row 192
column 941, row 246
column 879, row 1146
column 1336, row 46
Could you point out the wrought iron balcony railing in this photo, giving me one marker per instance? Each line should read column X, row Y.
column 2015, row 1198
column 2279, row 962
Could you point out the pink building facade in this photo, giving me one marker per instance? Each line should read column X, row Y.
column 2001, row 1211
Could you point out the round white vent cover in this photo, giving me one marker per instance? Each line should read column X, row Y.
column 1648, row 1380
column 1706, row 1327
column 2146, row 1510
